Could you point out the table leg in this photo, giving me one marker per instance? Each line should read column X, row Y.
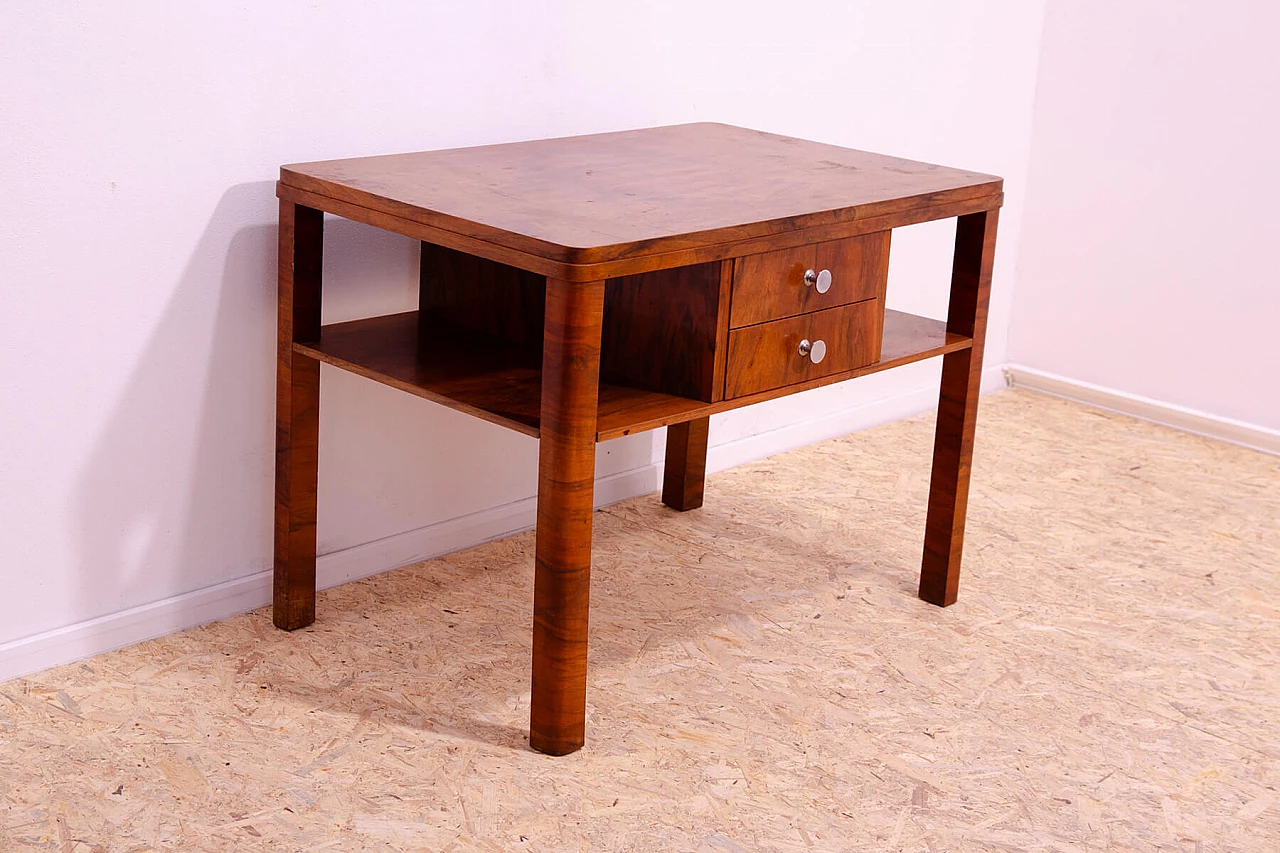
column 297, row 417
column 566, row 489
column 684, row 472
column 958, row 409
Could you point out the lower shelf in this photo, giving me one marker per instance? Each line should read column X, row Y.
column 503, row 384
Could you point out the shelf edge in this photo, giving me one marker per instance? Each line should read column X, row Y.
column 416, row 390
column 951, row 343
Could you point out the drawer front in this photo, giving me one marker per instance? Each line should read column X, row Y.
column 771, row 285
column 767, row 355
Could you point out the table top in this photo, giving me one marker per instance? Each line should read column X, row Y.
column 597, row 198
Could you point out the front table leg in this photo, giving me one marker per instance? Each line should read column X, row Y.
column 297, row 417
column 566, row 490
column 958, row 409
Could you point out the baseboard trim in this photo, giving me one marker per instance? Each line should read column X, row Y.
column 84, row 639
column 115, row 630
column 834, row 424
column 1179, row 417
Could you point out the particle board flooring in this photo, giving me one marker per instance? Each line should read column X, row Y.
column 762, row 676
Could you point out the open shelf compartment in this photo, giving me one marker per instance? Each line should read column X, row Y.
column 502, row 383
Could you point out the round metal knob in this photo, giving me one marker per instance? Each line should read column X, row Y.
column 821, row 280
column 815, row 351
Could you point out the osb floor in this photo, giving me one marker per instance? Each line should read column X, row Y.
column 763, row 676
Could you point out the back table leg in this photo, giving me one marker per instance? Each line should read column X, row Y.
column 566, row 490
column 958, row 409
column 297, row 417
column 685, row 470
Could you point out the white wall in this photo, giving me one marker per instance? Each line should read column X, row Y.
column 138, row 146
column 1148, row 261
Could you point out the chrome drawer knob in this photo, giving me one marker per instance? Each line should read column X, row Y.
column 815, row 351
column 820, row 280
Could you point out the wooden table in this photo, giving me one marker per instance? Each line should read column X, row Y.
column 591, row 287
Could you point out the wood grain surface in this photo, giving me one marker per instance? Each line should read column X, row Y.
column 677, row 257
column 297, row 416
column 467, row 292
column 660, row 330
column 958, row 409
column 503, row 384
column 771, row 285
column 766, row 356
column 499, row 382
column 591, row 199
column 684, row 470
column 566, row 486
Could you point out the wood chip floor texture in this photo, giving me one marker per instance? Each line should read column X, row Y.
column 763, row 677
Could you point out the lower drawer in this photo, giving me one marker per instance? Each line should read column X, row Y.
column 773, row 355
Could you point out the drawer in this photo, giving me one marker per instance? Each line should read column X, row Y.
column 772, row 285
column 768, row 355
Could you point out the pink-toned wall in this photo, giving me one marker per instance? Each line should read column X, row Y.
column 1148, row 262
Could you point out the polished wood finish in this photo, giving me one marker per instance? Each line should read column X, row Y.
column 695, row 254
column 502, row 384
column 767, row 356
column 465, row 370
column 578, row 290
column 496, row 381
column 660, row 330
column 771, row 285
column 722, row 331
column 297, row 416
column 463, row 291
column 566, row 488
column 907, row 338
column 685, row 468
column 958, row 408
column 590, row 200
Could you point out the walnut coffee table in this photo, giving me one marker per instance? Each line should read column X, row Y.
column 591, row 287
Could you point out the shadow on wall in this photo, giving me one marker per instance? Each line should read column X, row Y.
column 176, row 495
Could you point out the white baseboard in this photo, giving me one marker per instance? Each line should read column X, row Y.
column 84, row 639
column 1189, row 420
column 405, row 549
column 761, row 445
column 115, row 630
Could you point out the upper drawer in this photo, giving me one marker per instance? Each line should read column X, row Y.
column 772, row 285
